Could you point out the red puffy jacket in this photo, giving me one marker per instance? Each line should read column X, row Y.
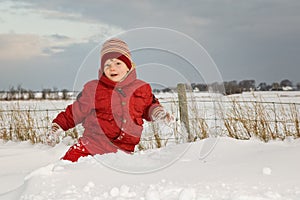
column 111, row 113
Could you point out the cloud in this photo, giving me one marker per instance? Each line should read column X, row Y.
column 26, row 18
column 59, row 37
column 26, row 32
column 27, row 46
column 19, row 47
column 246, row 39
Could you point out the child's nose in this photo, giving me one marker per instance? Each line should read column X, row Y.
column 112, row 66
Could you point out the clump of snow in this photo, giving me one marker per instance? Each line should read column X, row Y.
column 267, row 171
column 152, row 193
column 88, row 187
column 187, row 194
column 114, row 192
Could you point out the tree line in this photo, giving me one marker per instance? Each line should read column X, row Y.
column 235, row 87
column 226, row 87
column 20, row 93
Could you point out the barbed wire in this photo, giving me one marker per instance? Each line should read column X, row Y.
column 162, row 102
column 46, row 119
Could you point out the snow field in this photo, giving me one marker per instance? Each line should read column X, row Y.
column 233, row 170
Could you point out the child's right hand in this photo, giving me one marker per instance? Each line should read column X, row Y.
column 52, row 137
column 55, row 128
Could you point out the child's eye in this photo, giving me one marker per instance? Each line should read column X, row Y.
column 118, row 63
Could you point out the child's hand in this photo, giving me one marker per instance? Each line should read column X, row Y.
column 52, row 137
column 55, row 128
column 169, row 119
column 159, row 114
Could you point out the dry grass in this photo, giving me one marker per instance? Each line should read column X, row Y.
column 18, row 125
column 26, row 125
column 266, row 121
column 240, row 120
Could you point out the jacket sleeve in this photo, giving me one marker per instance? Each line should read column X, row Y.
column 152, row 105
column 76, row 112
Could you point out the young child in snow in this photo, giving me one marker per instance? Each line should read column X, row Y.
column 112, row 108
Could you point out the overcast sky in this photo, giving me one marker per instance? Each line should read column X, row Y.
column 44, row 43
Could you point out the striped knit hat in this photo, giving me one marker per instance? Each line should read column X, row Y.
column 115, row 48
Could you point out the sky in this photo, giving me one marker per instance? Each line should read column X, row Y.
column 50, row 44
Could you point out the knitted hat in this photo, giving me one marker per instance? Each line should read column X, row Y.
column 115, row 48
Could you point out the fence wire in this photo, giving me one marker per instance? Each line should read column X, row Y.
column 238, row 119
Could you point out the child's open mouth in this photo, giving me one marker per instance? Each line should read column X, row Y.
column 113, row 75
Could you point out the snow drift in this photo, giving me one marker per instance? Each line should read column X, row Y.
column 210, row 169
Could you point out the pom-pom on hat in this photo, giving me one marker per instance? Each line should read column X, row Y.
column 115, row 48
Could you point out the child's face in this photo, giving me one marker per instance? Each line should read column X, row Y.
column 115, row 69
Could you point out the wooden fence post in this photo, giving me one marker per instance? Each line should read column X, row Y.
column 183, row 109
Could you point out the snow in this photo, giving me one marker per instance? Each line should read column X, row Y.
column 267, row 171
column 214, row 168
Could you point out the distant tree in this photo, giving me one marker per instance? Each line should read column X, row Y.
column 156, row 90
column 202, row 87
column 247, row 85
column 21, row 92
column 298, row 86
column 12, row 93
column 193, row 85
column 216, row 87
column 199, row 86
column 31, row 94
column 286, row 83
column 276, row 87
column 65, row 94
column 166, row 90
column 263, row 87
column 232, row 87
column 46, row 93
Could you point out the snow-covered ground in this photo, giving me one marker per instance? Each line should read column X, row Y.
column 211, row 169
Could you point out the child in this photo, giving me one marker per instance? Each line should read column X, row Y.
column 112, row 108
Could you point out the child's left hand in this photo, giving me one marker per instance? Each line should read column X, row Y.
column 161, row 115
column 169, row 119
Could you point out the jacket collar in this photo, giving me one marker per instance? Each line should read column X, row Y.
column 130, row 77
